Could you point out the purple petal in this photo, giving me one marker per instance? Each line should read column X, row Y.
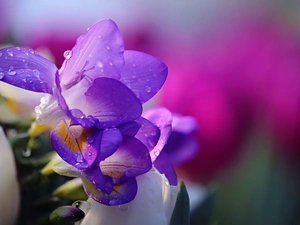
column 181, row 147
column 165, row 166
column 148, row 134
column 75, row 145
column 130, row 128
column 100, row 181
column 110, row 102
column 111, row 140
column 121, row 194
column 98, row 53
column 23, row 68
column 143, row 74
column 162, row 118
column 184, row 124
column 130, row 160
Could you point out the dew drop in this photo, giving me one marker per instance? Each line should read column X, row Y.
column 83, row 205
column 148, row 89
column 133, row 65
column 1, row 75
column 110, row 63
column 123, row 207
column 99, row 36
column 31, row 51
column 167, row 182
column 9, row 52
column 156, row 153
column 11, row 72
column 0, row 53
column 100, row 64
column 90, row 139
column 68, row 54
column 36, row 72
column 107, row 47
column 26, row 152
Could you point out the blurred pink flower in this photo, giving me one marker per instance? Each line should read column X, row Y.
column 235, row 75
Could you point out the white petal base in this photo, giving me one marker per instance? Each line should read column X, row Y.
column 153, row 205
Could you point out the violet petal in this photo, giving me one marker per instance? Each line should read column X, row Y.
column 111, row 103
column 143, row 74
column 98, row 53
column 181, row 147
column 100, row 181
column 165, row 166
column 130, row 160
column 162, row 118
column 130, row 128
column 121, row 194
column 76, row 145
column 148, row 134
column 23, row 68
column 111, row 140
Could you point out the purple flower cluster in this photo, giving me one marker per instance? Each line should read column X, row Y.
column 95, row 104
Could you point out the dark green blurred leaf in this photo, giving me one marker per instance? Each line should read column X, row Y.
column 36, row 162
column 181, row 213
column 202, row 214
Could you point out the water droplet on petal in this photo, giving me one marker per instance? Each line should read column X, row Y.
column 83, row 205
column 27, row 152
column 156, row 152
column 123, row 207
column 11, row 72
column 1, row 75
column 0, row 53
column 31, row 51
column 90, row 139
column 99, row 36
column 36, row 72
column 148, row 89
column 100, row 64
column 110, row 63
column 9, row 52
column 68, row 54
column 107, row 47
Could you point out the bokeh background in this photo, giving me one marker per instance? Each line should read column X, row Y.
column 234, row 65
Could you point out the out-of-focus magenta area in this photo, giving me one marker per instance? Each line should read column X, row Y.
column 233, row 65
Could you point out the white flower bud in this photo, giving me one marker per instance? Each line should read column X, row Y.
column 9, row 187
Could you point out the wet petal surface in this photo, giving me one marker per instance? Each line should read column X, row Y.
column 120, row 194
column 111, row 103
column 98, row 53
column 25, row 69
column 143, row 74
column 76, row 145
column 130, row 160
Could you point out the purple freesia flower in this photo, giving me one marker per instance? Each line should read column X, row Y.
column 95, row 101
column 131, row 149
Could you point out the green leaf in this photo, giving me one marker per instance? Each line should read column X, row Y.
column 181, row 213
column 202, row 214
column 71, row 190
